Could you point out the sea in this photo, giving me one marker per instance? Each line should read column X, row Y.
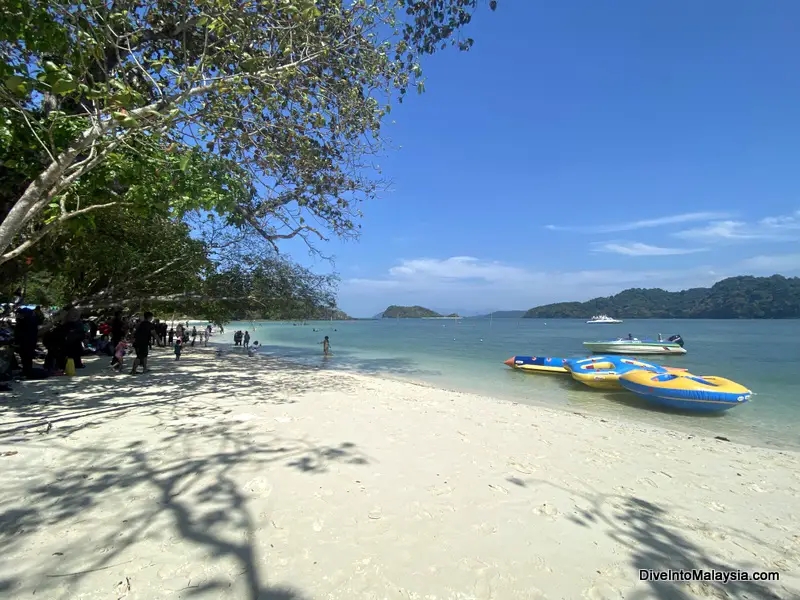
column 467, row 355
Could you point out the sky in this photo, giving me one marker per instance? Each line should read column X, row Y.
column 583, row 148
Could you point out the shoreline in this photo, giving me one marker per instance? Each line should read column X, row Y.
column 626, row 418
column 240, row 477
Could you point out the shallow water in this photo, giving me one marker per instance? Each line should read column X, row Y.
column 468, row 355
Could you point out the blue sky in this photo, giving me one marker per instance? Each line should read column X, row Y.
column 579, row 149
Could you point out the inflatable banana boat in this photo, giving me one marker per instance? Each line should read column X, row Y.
column 685, row 391
column 537, row 364
column 603, row 372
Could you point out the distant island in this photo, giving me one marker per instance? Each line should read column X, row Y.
column 743, row 297
column 412, row 312
column 332, row 314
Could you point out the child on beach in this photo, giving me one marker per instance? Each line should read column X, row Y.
column 326, row 346
column 119, row 354
column 177, row 348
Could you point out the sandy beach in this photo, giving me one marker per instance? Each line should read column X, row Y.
column 237, row 477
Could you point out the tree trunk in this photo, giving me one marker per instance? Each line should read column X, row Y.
column 34, row 199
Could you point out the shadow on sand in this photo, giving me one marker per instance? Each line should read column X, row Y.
column 652, row 538
column 189, row 469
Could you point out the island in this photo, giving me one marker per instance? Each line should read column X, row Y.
column 413, row 312
column 743, row 297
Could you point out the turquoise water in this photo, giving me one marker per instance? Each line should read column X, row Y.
column 468, row 356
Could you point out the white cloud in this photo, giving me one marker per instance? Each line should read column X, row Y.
column 469, row 282
column 472, row 283
column 769, row 265
column 780, row 228
column 639, row 249
column 642, row 224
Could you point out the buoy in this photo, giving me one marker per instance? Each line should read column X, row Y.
column 69, row 370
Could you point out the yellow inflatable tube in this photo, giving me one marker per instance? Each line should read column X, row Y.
column 604, row 372
column 686, row 391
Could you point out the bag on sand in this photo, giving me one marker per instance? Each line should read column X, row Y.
column 69, row 370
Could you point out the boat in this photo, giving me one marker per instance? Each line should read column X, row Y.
column 632, row 345
column 684, row 391
column 537, row 364
column 603, row 372
column 603, row 319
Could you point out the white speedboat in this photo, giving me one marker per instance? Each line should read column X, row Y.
column 632, row 345
column 603, row 319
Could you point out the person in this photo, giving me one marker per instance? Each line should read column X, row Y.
column 177, row 347
column 326, row 346
column 253, row 350
column 141, row 342
column 171, row 335
column 53, row 341
column 194, row 335
column 119, row 354
column 246, row 339
column 117, row 333
column 75, row 334
column 39, row 315
column 26, row 331
column 206, row 335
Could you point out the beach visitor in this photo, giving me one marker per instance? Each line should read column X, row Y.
column 141, row 342
column 119, row 355
column 194, row 335
column 177, row 348
column 171, row 335
column 246, row 339
column 117, row 333
column 74, row 334
column 326, row 346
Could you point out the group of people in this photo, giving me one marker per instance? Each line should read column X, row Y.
column 145, row 334
column 241, row 338
column 64, row 338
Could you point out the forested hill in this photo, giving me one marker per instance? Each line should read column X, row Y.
column 744, row 297
column 409, row 312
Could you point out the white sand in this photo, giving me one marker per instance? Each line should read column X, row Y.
column 212, row 479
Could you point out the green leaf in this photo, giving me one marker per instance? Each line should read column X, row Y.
column 184, row 161
column 17, row 84
column 64, row 86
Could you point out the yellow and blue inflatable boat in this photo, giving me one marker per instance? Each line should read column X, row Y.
column 537, row 364
column 603, row 372
column 685, row 391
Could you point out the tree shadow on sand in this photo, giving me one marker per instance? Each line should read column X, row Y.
column 654, row 541
column 190, row 483
column 70, row 404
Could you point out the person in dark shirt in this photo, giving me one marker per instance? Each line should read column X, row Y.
column 141, row 342
column 25, row 336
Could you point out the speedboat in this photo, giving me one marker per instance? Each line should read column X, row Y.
column 632, row 345
column 603, row 319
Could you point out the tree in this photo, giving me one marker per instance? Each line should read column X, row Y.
column 290, row 93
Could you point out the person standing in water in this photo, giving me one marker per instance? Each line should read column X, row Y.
column 326, row 346
column 246, row 339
